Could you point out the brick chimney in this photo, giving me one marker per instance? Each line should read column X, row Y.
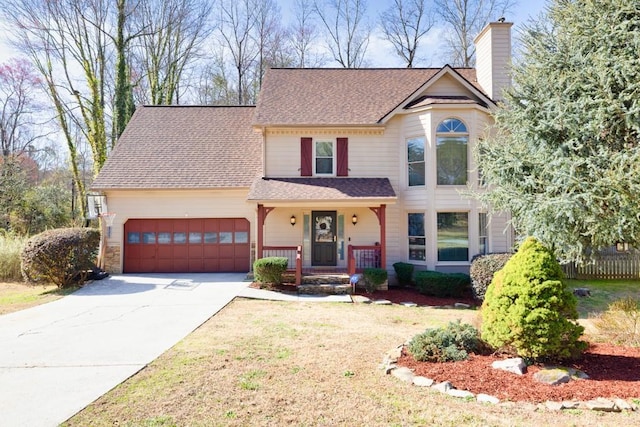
column 493, row 58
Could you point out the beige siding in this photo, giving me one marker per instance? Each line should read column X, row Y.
column 447, row 86
column 493, row 58
column 176, row 204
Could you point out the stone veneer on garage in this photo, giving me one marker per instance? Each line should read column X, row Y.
column 112, row 260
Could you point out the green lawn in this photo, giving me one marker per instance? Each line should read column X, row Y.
column 603, row 292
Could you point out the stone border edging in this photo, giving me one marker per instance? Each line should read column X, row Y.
column 390, row 367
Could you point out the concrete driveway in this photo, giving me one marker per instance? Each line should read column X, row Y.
column 58, row 357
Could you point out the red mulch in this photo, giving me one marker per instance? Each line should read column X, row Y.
column 614, row 371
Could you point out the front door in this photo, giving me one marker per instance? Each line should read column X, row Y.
column 324, row 247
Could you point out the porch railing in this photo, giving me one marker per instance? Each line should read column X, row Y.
column 361, row 257
column 292, row 253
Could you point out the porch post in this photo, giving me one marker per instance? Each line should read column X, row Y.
column 382, row 221
column 383, row 236
column 261, row 217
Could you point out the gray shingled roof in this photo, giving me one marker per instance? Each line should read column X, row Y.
column 342, row 96
column 287, row 189
column 178, row 147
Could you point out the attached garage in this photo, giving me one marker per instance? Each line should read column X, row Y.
column 186, row 245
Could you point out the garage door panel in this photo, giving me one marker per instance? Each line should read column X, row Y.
column 186, row 245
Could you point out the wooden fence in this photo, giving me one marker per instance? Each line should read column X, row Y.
column 608, row 264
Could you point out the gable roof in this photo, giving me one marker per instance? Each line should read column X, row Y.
column 179, row 147
column 340, row 96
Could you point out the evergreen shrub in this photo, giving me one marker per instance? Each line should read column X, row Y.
column 442, row 285
column 529, row 311
column 447, row 344
column 62, row 256
column 270, row 270
column 482, row 269
column 373, row 278
column 404, row 273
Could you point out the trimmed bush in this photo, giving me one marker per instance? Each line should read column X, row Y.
column 529, row 311
column 442, row 285
column 483, row 267
column 620, row 324
column 373, row 278
column 10, row 248
column 63, row 256
column 270, row 269
column 448, row 344
column 404, row 273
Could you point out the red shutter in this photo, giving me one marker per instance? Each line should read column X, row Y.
column 343, row 157
column 306, row 157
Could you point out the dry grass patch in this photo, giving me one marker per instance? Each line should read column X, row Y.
column 271, row 363
column 15, row 296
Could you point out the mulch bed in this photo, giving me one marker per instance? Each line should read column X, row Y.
column 614, row 371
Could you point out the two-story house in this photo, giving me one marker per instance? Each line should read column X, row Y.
column 342, row 168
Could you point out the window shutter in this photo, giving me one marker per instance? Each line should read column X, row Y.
column 306, row 157
column 343, row 157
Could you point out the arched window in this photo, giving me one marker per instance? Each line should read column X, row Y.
column 451, row 152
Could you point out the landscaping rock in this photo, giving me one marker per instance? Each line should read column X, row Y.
column 552, row 376
column 623, row 405
column 553, row 406
column 389, row 367
column 461, row 305
column 570, row 405
column 382, row 302
column 486, row 398
column 603, row 405
column 443, row 387
column 422, row 381
column 403, row 374
column 409, row 304
column 514, row 365
column 558, row 375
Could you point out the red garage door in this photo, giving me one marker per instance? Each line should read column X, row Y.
column 186, row 245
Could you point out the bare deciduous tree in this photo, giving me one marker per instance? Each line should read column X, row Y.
column 404, row 24
column 465, row 19
column 19, row 106
column 346, row 30
column 303, row 33
column 237, row 23
column 171, row 34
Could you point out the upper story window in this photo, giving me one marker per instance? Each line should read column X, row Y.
column 415, row 161
column 451, row 152
column 324, row 158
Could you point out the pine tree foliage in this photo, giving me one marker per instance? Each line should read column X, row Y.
column 529, row 310
column 565, row 157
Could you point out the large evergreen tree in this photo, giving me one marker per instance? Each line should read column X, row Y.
column 565, row 157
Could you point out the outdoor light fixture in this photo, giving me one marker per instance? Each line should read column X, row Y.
column 292, row 220
column 354, row 219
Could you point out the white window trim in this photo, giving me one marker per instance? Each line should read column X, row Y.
column 335, row 160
